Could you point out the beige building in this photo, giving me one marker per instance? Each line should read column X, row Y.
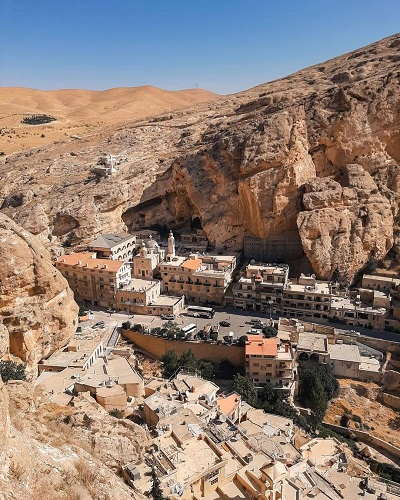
column 94, row 280
column 307, row 298
column 202, row 280
column 261, row 288
column 146, row 261
column 114, row 246
column 355, row 312
column 270, row 361
column 195, row 241
column 81, row 352
column 115, row 371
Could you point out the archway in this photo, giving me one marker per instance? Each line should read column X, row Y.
column 303, row 356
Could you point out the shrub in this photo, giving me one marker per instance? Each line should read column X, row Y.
column 37, row 119
column 126, row 325
column 12, row 371
column 137, row 327
column 116, row 413
column 344, row 420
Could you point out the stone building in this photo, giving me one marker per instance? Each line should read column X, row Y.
column 307, row 297
column 94, row 280
column 195, row 241
column 261, row 287
column 146, row 261
column 200, row 279
column 285, row 247
column 270, row 360
column 114, row 246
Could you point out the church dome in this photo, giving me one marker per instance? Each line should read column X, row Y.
column 150, row 243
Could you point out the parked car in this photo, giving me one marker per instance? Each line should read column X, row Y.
column 100, row 324
column 253, row 331
column 111, row 311
column 254, row 321
column 168, row 317
column 224, row 323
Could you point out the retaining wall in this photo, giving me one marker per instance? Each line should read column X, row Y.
column 389, row 400
column 366, row 438
column 212, row 352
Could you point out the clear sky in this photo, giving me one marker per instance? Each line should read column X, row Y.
column 221, row 45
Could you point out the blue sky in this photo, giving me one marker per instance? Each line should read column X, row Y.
column 221, row 45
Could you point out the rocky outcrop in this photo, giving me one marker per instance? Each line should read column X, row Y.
column 344, row 223
column 37, row 308
column 51, row 452
column 244, row 165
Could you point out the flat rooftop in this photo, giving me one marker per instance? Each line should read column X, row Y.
column 345, row 352
column 165, row 300
column 177, row 261
column 267, row 268
column 138, row 285
column 320, row 288
column 312, row 342
column 350, row 305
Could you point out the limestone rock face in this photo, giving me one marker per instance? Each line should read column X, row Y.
column 268, row 160
column 343, row 226
column 37, row 307
column 51, row 452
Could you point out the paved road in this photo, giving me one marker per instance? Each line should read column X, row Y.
column 235, row 317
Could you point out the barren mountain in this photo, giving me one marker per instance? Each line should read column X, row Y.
column 317, row 152
column 79, row 111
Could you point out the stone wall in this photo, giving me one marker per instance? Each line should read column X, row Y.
column 212, row 352
column 366, row 438
column 389, row 400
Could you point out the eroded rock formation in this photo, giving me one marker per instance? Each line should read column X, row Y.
column 37, row 308
column 56, row 452
column 244, row 165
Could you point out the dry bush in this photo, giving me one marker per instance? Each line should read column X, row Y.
column 17, row 470
column 87, row 476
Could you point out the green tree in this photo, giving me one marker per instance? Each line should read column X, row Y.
column 318, row 401
column 170, row 363
column 12, row 371
column 328, row 380
column 269, row 332
column 206, row 368
column 156, row 491
column 242, row 340
column 188, row 361
column 82, row 310
column 244, row 386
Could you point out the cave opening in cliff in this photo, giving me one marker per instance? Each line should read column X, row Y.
column 195, row 223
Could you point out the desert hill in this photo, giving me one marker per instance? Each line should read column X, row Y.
column 77, row 111
column 315, row 154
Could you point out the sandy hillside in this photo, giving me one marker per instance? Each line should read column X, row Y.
column 80, row 111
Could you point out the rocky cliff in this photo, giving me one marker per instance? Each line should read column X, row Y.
column 37, row 309
column 54, row 452
column 316, row 153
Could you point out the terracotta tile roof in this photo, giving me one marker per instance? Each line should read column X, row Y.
column 228, row 404
column 192, row 264
column 260, row 346
column 86, row 260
